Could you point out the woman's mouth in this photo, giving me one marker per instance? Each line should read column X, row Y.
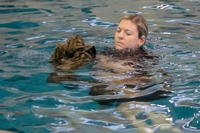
column 119, row 42
column 118, row 45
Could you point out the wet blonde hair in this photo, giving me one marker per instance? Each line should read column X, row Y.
column 140, row 22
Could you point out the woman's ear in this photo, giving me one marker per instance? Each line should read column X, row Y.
column 142, row 40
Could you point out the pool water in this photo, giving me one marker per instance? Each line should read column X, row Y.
column 29, row 32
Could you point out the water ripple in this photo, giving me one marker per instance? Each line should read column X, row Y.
column 8, row 11
column 2, row 52
column 17, row 45
column 132, row 12
column 106, row 124
column 186, row 21
column 15, row 32
column 7, row 6
column 193, row 124
column 166, row 7
column 49, row 40
column 35, row 37
column 19, row 25
column 96, row 21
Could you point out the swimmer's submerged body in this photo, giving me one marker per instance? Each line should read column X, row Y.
column 125, row 71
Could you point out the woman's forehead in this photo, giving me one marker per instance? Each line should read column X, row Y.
column 127, row 25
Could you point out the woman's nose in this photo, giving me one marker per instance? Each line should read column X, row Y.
column 121, row 34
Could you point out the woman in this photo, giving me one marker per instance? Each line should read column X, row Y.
column 131, row 33
column 130, row 36
column 131, row 79
column 129, row 65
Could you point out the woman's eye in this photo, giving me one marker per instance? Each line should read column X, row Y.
column 128, row 33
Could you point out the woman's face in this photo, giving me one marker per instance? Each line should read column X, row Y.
column 126, row 36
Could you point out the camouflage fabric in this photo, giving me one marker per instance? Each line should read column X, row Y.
column 72, row 54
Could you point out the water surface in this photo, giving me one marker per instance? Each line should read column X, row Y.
column 29, row 31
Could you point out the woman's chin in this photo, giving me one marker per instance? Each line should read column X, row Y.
column 118, row 47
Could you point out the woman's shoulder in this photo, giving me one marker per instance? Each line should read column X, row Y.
column 128, row 54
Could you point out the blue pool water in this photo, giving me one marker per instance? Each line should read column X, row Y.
column 29, row 31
